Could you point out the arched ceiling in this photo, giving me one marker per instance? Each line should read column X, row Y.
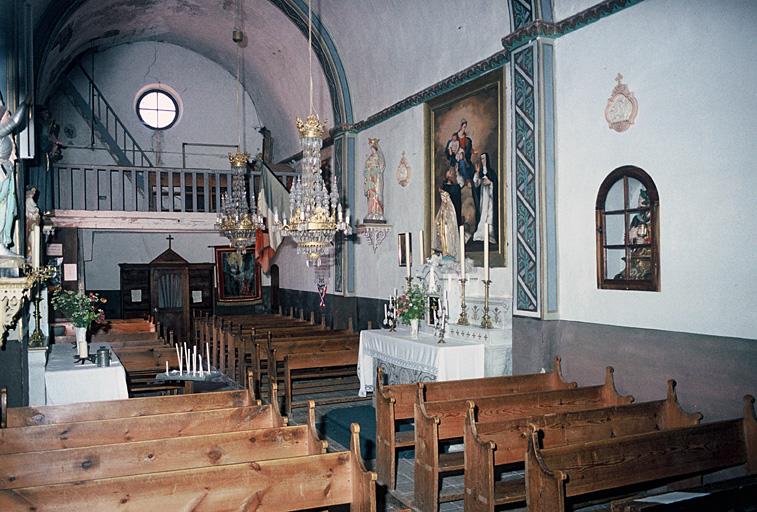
column 389, row 49
column 275, row 58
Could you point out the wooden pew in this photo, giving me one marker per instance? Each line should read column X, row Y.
column 50, row 467
column 443, row 421
column 297, row 483
column 132, row 407
column 77, row 434
column 498, row 443
column 555, row 475
column 395, row 403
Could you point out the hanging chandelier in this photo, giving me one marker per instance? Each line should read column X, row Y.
column 236, row 221
column 315, row 213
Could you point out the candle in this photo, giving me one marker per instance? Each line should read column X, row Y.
column 199, row 360
column 178, row 357
column 386, row 313
column 207, row 354
column 194, row 359
column 486, row 251
column 462, row 252
column 166, row 367
column 35, row 246
column 421, row 248
column 181, row 361
column 407, row 254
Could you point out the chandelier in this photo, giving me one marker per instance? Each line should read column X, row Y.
column 315, row 213
column 235, row 219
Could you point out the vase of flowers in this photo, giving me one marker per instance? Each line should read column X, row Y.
column 411, row 307
column 82, row 309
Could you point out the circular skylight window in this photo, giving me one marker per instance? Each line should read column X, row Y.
column 157, row 109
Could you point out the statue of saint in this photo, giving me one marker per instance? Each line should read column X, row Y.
column 374, row 182
column 9, row 124
column 444, row 232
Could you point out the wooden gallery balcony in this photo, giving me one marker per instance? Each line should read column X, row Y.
column 158, row 199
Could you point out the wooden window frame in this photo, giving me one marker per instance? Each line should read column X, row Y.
column 624, row 173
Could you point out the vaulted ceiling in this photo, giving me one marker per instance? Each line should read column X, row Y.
column 400, row 40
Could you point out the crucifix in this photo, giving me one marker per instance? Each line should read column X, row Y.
column 170, row 237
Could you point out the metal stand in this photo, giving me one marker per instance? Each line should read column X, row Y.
column 38, row 276
column 463, row 320
column 441, row 324
column 486, row 321
column 409, row 282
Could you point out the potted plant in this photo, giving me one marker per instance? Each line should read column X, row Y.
column 82, row 309
column 411, row 307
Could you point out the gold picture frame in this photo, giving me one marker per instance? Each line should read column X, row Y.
column 459, row 126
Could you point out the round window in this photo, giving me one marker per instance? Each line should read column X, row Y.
column 157, row 109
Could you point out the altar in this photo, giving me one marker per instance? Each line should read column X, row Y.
column 405, row 359
column 67, row 382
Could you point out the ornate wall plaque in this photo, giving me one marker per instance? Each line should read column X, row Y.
column 403, row 172
column 621, row 108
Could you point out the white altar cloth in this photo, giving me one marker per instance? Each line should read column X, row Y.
column 67, row 383
column 453, row 360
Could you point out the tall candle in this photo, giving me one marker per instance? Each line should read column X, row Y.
column 462, row 252
column 178, row 357
column 421, row 248
column 407, row 254
column 199, row 363
column 181, row 360
column 166, row 367
column 35, row 246
column 194, row 359
column 207, row 354
column 486, row 251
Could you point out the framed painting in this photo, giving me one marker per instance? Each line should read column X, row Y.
column 238, row 276
column 465, row 170
column 404, row 248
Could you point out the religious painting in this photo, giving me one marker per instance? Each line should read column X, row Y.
column 465, row 170
column 238, row 276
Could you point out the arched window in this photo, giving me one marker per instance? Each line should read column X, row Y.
column 157, row 109
column 627, row 231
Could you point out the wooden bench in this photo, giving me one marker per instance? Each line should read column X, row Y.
column 297, row 483
column 554, row 475
column 443, row 421
column 498, row 443
column 395, row 403
column 50, row 467
column 132, row 407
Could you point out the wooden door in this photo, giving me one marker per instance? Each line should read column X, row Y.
column 170, row 299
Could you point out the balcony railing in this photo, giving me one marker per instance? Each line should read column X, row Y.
column 144, row 189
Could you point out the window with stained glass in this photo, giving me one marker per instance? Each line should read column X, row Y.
column 627, row 231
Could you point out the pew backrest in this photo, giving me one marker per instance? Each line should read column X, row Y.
column 555, row 474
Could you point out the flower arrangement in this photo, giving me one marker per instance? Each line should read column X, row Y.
column 411, row 305
column 81, row 308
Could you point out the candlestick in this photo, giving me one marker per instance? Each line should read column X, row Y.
column 486, row 321
column 408, row 261
column 462, row 252
column 420, row 247
column 486, row 251
column 463, row 319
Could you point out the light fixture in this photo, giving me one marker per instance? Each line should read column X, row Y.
column 315, row 213
column 236, row 221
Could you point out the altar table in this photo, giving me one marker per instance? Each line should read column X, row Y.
column 67, row 383
column 416, row 360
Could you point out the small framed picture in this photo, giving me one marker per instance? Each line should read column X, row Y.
column 404, row 248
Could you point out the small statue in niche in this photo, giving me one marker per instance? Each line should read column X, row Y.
column 374, row 182
column 640, row 266
column 32, row 217
column 9, row 124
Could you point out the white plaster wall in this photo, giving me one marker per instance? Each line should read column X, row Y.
column 566, row 8
column 103, row 251
column 394, row 49
column 208, row 93
column 691, row 67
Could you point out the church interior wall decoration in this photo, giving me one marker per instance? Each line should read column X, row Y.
column 465, row 169
column 238, row 276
